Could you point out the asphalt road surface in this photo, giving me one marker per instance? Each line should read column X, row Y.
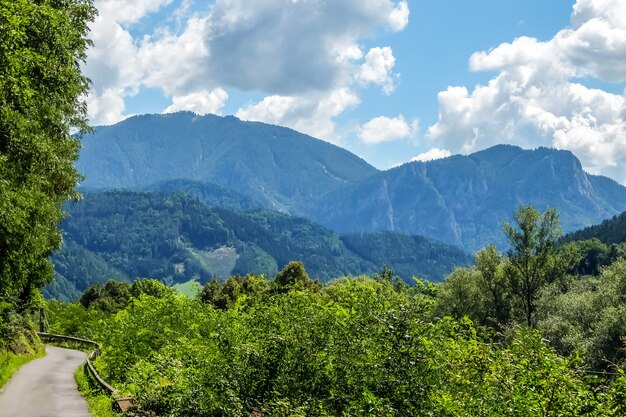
column 45, row 387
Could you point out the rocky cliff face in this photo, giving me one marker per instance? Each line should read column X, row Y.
column 464, row 199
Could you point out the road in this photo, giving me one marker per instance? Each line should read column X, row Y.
column 45, row 387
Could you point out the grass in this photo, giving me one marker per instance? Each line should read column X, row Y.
column 10, row 363
column 190, row 288
column 99, row 403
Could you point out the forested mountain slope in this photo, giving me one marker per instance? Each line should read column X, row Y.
column 175, row 237
column 277, row 166
column 609, row 231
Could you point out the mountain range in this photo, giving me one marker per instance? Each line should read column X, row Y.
column 459, row 200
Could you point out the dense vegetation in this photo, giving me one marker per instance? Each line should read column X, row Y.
column 518, row 334
column 41, row 92
column 174, row 237
column 610, row 231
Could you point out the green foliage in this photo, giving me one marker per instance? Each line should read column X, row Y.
column 41, row 93
column 224, row 295
column 73, row 319
column 526, row 378
column 609, row 231
column 151, row 287
column 532, row 262
column 589, row 316
column 175, row 238
column 293, row 277
column 357, row 346
column 99, row 403
column 593, row 255
column 404, row 252
column 108, row 298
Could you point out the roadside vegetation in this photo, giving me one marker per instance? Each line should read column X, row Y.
column 98, row 402
column 519, row 333
column 41, row 92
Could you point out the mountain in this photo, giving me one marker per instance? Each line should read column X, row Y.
column 279, row 167
column 463, row 200
column 175, row 237
column 460, row 200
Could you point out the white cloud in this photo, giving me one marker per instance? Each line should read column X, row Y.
column 387, row 129
column 199, row 102
column 175, row 62
column 432, row 154
column 106, row 107
column 312, row 114
column 377, row 69
column 300, row 45
column 536, row 100
column 399, row 16
column 306, row 51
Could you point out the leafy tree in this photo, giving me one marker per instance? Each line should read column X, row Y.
column 293, row 276
column 588, row 316
column 223, row 295
column 531, row 255
column 150, row 287
column 494, row 286
column 108, row 298
column 41, row 100
column 460, row 295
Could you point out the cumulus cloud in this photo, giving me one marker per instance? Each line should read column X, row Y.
column 199, row 102
column 431, row 155
column 377, row 69
column 387, row 129
column 307, row 53
column 311, row 114
column 537, row 98
column 300, row 45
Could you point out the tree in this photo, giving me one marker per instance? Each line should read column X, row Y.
column 294, row 276
column 531, row 256
column 42, row 93
column 493, row 285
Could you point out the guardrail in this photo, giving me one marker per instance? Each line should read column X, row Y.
column 124, row 403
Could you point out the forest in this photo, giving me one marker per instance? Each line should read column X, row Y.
column 537, row 330
column 175, row 237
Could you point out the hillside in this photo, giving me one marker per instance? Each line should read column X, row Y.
column 463, row 200
column 279, row 167
column 609, row 231
column 175, row 237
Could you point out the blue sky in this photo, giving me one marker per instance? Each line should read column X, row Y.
column 390, row 80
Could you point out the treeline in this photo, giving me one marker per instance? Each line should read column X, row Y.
column 173, row 237
column 519, row 333
column 610, row 231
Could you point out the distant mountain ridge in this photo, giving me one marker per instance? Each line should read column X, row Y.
column 277, row 166
column 460, row 200
column 463, row 200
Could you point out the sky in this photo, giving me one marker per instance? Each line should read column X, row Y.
column 389, row 80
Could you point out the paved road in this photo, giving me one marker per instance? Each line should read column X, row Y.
column 45, row 387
